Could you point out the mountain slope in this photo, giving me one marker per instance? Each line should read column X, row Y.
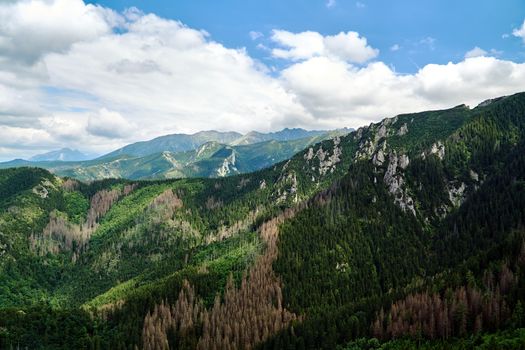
column 209, row 159
column 317, row 251
column 183, row 142
column 174, row 143
column 64, row 154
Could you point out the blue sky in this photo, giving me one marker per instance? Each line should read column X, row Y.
column 96, row 76
column 436, row 31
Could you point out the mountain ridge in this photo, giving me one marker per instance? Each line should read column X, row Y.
column 195, row 162
column 318, row 251
column 186, row 142
column 63, row 154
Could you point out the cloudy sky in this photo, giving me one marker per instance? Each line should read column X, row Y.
column 97, row 75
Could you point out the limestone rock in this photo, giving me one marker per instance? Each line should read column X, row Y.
column 403, row 161
column 228, row 166
column 403, row 130
column 456, row 194
column 438, row 149
column 474, row 176
column 395, row 182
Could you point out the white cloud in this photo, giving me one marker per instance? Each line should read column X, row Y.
column 395, row 47
column 24, row 138
column 475, row 52
column 65, row 128
column 471, row 80
column 166, row 77
column 520, row 32
column 345, row 46
column 350, row 47
column 109, row 124
column 338, row 93
column 330, row 3
column 297, row 46
column 360, row 5
column 32, row 28
column 255, row 35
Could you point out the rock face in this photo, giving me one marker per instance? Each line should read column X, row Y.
column 310, row 154
column 395, row 181
column 228, row 166
column 288, row 186
column 42, row 189
column 379, row 158
column 456, row 193
column 328, row 159
column 474, row 176
column 375, row 148
column 438, row 149
column 381, row 132
column 367, row 147
column 403, row 161
column 365, row 150
column 403, row 130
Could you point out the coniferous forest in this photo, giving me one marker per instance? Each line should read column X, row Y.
column 408, row 233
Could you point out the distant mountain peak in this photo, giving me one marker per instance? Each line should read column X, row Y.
column 64, row 154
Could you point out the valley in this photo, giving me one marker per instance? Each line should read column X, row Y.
column 407, row 233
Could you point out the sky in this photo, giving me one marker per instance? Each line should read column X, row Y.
column 96, row 75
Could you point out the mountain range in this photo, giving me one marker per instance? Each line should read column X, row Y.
column 204, row 154
column 408, row 233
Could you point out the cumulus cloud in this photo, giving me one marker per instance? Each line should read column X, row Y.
column 338, row 93
column 395, row 47
column 475, row 52
column 345, row 46
column 166, row 77
column 14, row 106
column 24, row 138
column 108, row 124
column 520, row 32
column 65, row 128
column 32, row 28
column 350, row 47
column 297, row 46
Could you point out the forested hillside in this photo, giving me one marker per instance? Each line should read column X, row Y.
column 205, row 154
column 408, row 233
